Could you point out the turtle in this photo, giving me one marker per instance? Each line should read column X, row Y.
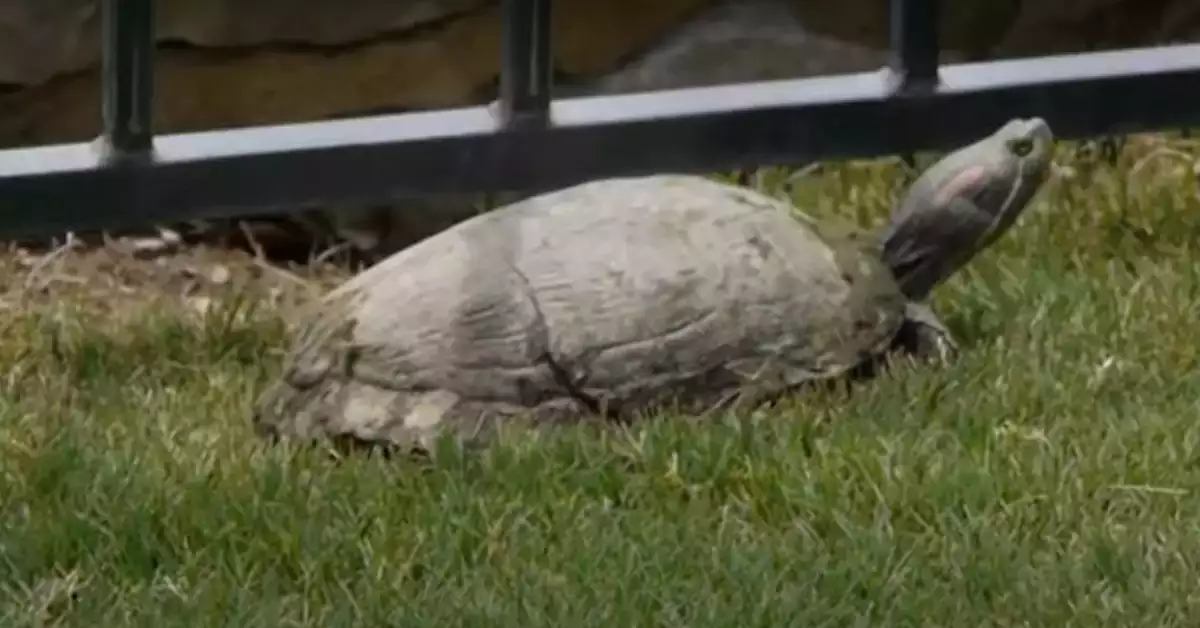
column 612, row 298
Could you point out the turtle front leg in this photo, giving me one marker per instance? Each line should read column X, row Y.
column 924, row 336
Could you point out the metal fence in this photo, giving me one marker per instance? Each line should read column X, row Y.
column 527, row 140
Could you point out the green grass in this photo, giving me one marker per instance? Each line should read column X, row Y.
column 1049, row 478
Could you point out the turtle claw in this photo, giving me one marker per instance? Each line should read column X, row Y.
column 925, row 336
column 934, row 345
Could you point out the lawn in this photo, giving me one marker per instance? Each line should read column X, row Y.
column 1049, row 477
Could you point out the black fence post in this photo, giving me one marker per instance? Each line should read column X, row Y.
column 913, row 58
column 525, row 76
column 128, row 77
column 913, row 54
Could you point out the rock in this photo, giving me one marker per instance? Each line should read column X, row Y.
column 66, row 32
column 993, row 29
column 1067, row 26
column 736, row 41
column 971, row 27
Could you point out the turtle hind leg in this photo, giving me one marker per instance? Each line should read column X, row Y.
column 924, row 336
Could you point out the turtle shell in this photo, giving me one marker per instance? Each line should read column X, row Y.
column 609, row 298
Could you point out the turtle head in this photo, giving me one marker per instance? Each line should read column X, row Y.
column 961, row 204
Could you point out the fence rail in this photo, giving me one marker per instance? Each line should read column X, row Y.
column 527, row 140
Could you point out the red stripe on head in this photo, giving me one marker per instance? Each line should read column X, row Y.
column 969, row 180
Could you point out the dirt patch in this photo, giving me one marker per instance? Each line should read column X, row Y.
column 117, row 275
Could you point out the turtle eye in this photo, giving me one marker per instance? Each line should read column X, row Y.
column 1021, row 147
